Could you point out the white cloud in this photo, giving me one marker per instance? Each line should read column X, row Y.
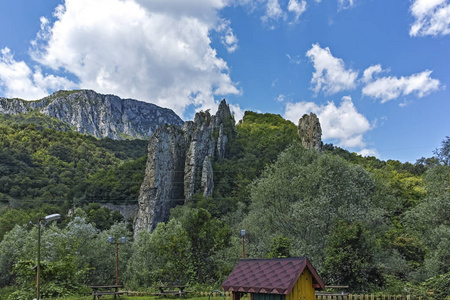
column 370, row 71
column 273, row 11
column 157, row 51
column 388, row 88
column 432, row 17
column 228, row 38
column 369, row 152
column 280, row 98
column 237, row 111
column 230, row 41
column 297, row 8
column 294, row 60
column 330, row 75
column 344, row 4
column 18, row 80
column 343, row 123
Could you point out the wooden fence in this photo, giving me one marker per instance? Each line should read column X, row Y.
column 343, row 296
column 365, row 297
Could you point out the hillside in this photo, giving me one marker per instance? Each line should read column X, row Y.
column 374, row 225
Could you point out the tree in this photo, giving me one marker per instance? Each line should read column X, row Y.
column 303, row 196
column 161, row 256
column 349, row 258
column 430, row 221
column 207, row 236
column 443, row 153
column 281, row 247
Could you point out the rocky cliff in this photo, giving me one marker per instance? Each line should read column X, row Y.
column 310, row 132
column 100, row 115
column 180, row 164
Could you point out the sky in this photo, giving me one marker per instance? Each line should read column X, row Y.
column 375, row 72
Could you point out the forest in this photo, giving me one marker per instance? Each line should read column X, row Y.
column 376, row 226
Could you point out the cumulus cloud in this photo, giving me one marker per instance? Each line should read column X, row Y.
column 18, row 80
column 388, row 88
column 330, row 75
column 432, row 17
column 342, row 123
column 156, row 51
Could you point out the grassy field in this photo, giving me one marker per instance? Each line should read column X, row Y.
column 142, row 298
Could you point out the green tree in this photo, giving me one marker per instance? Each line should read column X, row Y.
column 443, row 153
column 430, row 221
column 207, row 236
column 281, row 247
column 349, row 258
column 161, row 256
column 304, row 195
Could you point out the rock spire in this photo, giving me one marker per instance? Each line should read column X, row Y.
column 310, row 132
column 180, row 164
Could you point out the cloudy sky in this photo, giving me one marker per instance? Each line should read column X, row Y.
column 376, row 72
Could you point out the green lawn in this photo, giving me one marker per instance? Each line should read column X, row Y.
column 142, row 298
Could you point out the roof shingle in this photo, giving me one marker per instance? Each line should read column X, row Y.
column 272, row 276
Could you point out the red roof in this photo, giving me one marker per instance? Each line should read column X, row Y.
column 271, row 276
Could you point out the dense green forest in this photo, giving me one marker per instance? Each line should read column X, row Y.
column 378, row 226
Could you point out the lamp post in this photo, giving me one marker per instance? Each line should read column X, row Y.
column 243, row 243
column 111, row 240
column 38, row 273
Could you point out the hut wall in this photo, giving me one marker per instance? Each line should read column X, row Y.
column 303, row 288
column 268, row 297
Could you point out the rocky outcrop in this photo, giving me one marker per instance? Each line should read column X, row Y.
column 162, row 188
column 100, row 115
column 310, row 132
column 207, row 183
column 180, row 164
column 207, row 136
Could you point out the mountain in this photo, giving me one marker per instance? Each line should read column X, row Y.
column 99, row 115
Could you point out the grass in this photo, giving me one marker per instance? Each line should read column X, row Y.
column 142, row 298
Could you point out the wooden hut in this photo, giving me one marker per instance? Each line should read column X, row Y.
column 274, row 279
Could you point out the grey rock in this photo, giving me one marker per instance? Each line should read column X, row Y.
column 310, row 132
column 162, row 188
column 180, row 164
column 100, row 115
column 207, row 178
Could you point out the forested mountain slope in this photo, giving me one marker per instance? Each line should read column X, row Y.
column 374, row 225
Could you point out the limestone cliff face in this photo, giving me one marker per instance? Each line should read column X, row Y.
column 162, row 188
column 179, row 164
column 310, row 132
column 100, row 115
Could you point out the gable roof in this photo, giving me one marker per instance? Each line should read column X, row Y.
column 272, row 276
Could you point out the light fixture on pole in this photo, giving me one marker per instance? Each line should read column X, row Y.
column 111, row 240
column 243, row 242
column 47, row 219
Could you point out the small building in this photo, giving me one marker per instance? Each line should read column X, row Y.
column 274, row 279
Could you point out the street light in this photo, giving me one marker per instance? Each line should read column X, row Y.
column 47, row 219
column 111, row 240
column 243, row 242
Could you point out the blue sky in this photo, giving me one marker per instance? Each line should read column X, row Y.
column 374, row 71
